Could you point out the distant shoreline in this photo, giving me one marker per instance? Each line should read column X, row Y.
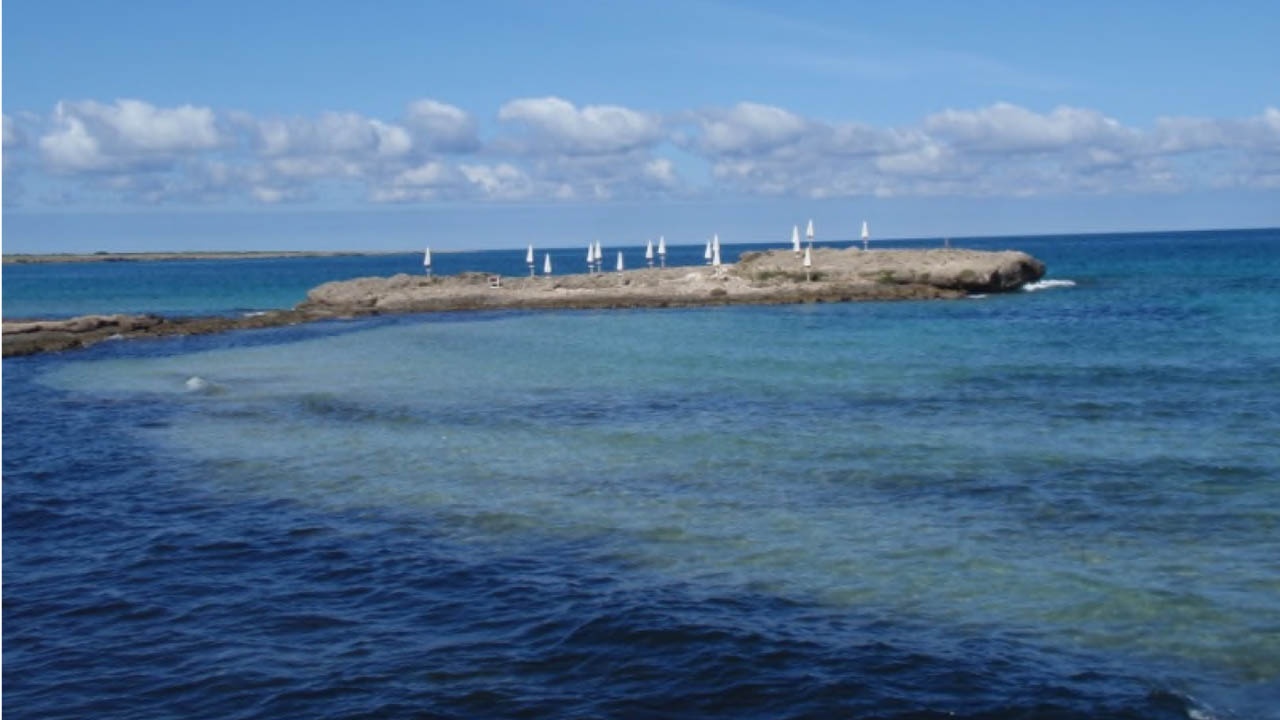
column 39, row 258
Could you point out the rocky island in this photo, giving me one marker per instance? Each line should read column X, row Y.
column 768, row 277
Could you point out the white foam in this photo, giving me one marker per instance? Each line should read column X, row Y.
column 1047, row 285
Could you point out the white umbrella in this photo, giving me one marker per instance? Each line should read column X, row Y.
column 599, row 253
column 865, row 235
column 715, row 253
column 426, row 260
column 795, row 238
column 809, row 233
column 808, row 263
column 715, row 244
column 528, row 259
column 706, row 254
column 619, row 261
column 662, row 249
column 546, row 264
column 648, row 252
column 591, row 256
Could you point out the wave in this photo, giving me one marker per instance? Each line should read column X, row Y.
column 1047, row 285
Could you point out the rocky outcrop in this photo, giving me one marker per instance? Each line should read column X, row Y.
column 31, row 337
column 969, row 271
column 772, row 277
column 758, row 278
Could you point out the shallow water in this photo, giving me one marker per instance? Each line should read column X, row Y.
column 1057, row 503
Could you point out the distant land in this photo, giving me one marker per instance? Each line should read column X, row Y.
column 36, row 258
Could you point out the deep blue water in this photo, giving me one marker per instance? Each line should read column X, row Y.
column 1060, row 503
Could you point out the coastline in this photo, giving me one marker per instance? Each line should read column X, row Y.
column 758, row 278
column 45, row 258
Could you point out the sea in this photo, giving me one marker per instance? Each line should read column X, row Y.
column 1061, row 502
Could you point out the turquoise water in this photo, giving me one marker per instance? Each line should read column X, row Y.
column 1053, row 503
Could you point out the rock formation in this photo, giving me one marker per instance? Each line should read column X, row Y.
column 770, row 277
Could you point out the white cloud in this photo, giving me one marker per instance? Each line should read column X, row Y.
column 429, row 181
column 71, row 147
column 501, row 182
column 928, row 158
column 1006, row 128
column 557, row 125
column 332, row 133
column 432, row 173
column 393, row 141
column 550, row 149
column 93, row 136
column 1181, row 134
column 443, row 127
column 749, row 129
column 661, row 172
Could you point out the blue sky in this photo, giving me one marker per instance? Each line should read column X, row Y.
column 160, row 125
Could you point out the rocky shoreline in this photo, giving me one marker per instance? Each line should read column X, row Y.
column 771, row 277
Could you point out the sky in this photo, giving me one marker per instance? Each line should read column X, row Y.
column 395, row 124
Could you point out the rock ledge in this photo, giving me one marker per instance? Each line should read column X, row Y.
column 759, row 278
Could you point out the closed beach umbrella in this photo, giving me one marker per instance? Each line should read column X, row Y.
column 706, row 254
column 528, row 259
column 662, row 249
column 715, row 254
column 808, row 263
column 619, row 261
column 795, row 238
column 865, row 235
column 591, row 256
column 426, row 260
column 648, row 252
column 809, row 233
column 715, row 243
column 546, row 264
column 599, row 252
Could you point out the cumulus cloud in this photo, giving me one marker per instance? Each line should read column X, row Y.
column 1005, row 128
column 443, row 127
column 549, row 149
column 661, row 172
column 330, row 134
column 128, row 133
column 426, row 182
column 502, row 181
column 749, row 129
column 557, row 125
